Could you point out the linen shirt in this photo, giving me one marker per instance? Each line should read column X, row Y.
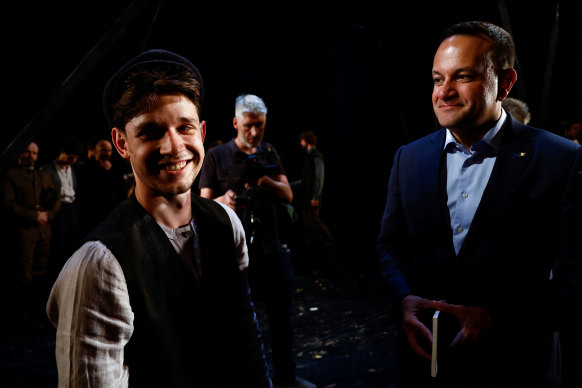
column 90, row 307
column 468, row 172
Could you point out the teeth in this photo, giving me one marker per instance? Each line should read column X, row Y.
column 176, row 166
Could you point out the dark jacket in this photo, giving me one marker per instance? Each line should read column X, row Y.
column 527, row 223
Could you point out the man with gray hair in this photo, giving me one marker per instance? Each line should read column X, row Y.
column 246, row 174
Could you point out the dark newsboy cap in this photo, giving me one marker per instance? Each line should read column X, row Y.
column 115, row 86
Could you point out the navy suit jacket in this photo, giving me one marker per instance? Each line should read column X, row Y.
column 527, row 223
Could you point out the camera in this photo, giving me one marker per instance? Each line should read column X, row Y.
column 254, row 170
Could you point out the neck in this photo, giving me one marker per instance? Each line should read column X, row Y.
column 467, row 139
column 172, row 211
column 243, row 147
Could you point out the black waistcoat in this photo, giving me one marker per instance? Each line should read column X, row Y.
column 186, row 332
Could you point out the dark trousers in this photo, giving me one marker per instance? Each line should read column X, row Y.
column 270, row 278
column 66, row 234
column 34, row 260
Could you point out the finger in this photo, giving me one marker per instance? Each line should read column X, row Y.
column 413, row 341
column 446, row 307
column 462, row 337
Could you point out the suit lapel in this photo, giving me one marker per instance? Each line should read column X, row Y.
column 514, row 154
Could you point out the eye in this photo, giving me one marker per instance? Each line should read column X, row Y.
column 150, row 132
column 187, row 129
column 437, row 81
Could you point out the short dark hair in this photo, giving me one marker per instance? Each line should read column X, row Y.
column 145, row 85
column 135, row 86
column 309, row 137
column 504, row 48
column 72, row 146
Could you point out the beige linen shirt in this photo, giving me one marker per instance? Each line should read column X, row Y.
column 90, row 307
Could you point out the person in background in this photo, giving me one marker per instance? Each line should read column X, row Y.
column 316, row 242
column 157, row 294
column 66, row 223
column 518, row 109
column 101, row 187
column 31, row 202
column 477, row 215
column 246, row 174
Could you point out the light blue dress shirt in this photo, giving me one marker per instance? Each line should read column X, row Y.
column 468, row 172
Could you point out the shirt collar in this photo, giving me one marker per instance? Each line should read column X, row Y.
column 489, row 138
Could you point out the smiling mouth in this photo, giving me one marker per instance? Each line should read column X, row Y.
column 176, row 166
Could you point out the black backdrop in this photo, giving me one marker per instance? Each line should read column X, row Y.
column 355, row 72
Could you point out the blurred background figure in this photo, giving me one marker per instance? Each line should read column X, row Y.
column 574, row 133
column 518, row 109
column 65, row 229
column 101, row 187
column 316, row 244
column 31, row 202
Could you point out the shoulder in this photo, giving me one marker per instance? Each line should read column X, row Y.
column 221, row 149
column 433, row 139
column 545, row 142
column 92, row 266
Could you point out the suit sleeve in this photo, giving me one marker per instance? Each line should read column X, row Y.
column 392, row 242
column 567, row 282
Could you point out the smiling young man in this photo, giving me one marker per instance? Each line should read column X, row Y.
column 156, row 296
column 477, row 215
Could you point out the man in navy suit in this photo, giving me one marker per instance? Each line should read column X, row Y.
column 478, row 213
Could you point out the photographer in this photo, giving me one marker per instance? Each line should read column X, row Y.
column 246, row 174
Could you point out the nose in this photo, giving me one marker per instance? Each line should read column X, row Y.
column 446, row 90
column 171, row 143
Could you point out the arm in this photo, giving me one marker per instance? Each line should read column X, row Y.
column 13, row 207
column 318, row 183
column 393, row 249
column 277, row 185
column 227, row 198
column 89, row 306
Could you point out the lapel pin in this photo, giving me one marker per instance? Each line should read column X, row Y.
column 519, row 155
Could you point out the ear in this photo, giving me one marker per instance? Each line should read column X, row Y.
column 235, row 123
column 203, row 130
column 120, row 142
column 507, row 79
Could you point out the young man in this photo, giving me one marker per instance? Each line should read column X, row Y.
column 156, row 296
column 477, row 215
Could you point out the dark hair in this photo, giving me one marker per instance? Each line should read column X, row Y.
column 144, row 85
column 309, row 137
column 504, row 48
column 72, row 146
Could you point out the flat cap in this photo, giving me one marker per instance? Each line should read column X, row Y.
column 114, row 88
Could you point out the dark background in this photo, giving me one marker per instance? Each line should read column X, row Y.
column 355, row 72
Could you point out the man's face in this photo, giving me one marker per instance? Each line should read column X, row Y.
column 103, row 150
column 29, row 156
column 66, row 159
column 164, row 146
column 250, row 129
column 303, row 144
column 465, row 90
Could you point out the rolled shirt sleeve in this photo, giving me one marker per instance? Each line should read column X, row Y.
column 89, row 306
